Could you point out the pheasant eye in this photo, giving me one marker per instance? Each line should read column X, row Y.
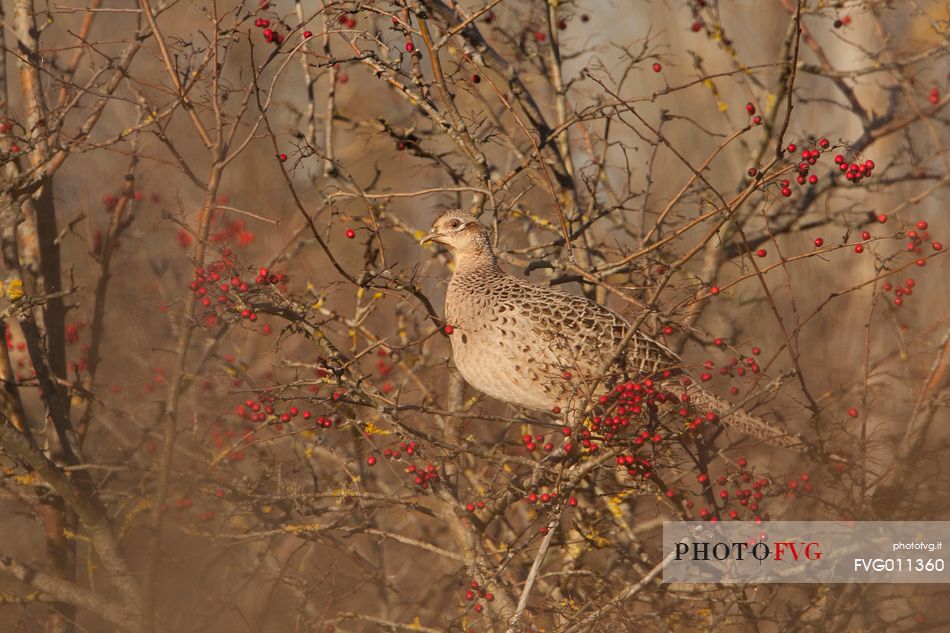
column 454, row 224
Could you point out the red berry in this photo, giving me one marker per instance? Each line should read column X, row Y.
column 350, row 234
column 859, row 248
column 476, row 79
column 792, row 147
column 448, row 329
column 819, row 242
column 865, row 235
column 922, row 225
column 824, row 143
column 752, row 172
column 756, row 120
column 882, row 218
column 853, row 412
column 696, row 26
column 371, row 460
column 539, row 36
column 761, row 252
column 714, row 290
column 750, row 108
column 936, row 246
column 282, row 157
column 657, row 67
column 410, row 47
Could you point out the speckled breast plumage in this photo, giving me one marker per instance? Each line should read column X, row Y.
column 534, row 346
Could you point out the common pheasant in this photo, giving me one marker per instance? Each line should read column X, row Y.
column 544, row 349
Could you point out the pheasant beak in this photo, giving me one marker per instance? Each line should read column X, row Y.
column 430, row 237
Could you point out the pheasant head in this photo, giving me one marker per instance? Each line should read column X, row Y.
column 463, row 234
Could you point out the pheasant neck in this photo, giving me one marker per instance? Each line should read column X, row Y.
column 477, row 257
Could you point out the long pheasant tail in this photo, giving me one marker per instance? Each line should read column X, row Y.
column 741, row 420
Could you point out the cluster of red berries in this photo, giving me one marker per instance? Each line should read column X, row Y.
column 422, row 476
column 214, row 290
column 855, row 172
column 586, row 442
column 632, row 399
column 544, row 497
column 934, row 96
column 265, row 277
column 916, row 239
column 347, row 20
column 23, row 359
column 72, row 332
column 531, row 443
column 5, row 127
column 900, row 291
column 802, row 484
column 636, row 466
column 221, row 436
column 109, row 200
column 263, row 409
column 756, row 120
column 737, row 366
column 158, row 378
column 478, row 505
column 270, row 35
column 409, row 448
column 478, row 592
column 741, row 494
column 809, row 157
column 842, row 21
column 384, row 369
column 234, row 231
